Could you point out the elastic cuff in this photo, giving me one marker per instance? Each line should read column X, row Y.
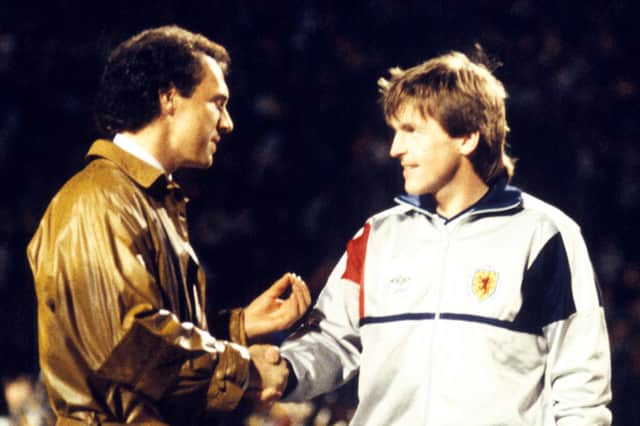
column 237, row 332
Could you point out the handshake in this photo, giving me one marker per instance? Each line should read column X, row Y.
column 268, row 375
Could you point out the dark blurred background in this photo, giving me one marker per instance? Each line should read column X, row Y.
column 308, row 161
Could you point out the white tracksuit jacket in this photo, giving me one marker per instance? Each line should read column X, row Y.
column 490, row 318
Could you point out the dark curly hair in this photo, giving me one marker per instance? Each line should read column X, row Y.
column 143, row 66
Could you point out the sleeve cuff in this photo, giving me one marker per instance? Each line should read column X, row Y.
column 230, row 379
column 237, row 332
column 292, row 381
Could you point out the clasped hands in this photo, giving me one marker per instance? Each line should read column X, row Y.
column 266, row 314
column 268, row 375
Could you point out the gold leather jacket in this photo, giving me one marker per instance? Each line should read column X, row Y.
column 122, row 331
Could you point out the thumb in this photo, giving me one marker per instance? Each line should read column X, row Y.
column 270, row 395
column 272, row 355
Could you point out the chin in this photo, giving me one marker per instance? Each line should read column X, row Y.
column 206, row 161
column 416, row 191
column 200, row 164
column 411, row 190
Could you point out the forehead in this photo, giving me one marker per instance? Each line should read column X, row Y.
column 214, row 77
column 408, row 112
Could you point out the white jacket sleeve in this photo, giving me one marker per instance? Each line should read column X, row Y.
column 325, row 352
column 579, row 361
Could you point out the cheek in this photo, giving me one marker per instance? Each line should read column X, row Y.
column 425, row 154
column 435, row 160
column 207, row 123
column 211, row 115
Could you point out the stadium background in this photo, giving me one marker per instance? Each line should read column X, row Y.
column 308, row 160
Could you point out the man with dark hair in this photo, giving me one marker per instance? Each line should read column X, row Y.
column 470, row 302
column 151, row 61
column 123, row 336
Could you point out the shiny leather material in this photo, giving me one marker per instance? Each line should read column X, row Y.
column 121, row 323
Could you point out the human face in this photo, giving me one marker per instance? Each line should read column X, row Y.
column 430, row 158
column 201, row 119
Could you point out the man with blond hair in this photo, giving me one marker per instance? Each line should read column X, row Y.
column 470, row 302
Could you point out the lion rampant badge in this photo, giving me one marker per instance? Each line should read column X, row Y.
column 484, row 283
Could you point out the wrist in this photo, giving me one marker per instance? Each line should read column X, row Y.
column 292, row 379
column 247, row 325
column 237, row 332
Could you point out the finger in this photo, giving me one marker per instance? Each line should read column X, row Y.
column 262, row 407
column 303, row 290
column 295, row 284
column 280, row 286
column 270, row 395
column 307, row 293
column 302, row 297
column 272, row 355
column 297, row 298
column 291, row 309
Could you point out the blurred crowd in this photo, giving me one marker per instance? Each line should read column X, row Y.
column 308, row 161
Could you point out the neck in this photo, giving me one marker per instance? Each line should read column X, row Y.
column 460, row 195
column 152, row 138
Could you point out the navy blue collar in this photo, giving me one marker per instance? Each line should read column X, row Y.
column 499, row 197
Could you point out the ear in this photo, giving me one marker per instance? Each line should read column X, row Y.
column 168, row 100
column 468, row 144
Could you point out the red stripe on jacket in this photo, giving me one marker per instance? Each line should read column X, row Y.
column 356, row 254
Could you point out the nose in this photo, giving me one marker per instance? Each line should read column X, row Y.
column 225, row 124
column 397, row 146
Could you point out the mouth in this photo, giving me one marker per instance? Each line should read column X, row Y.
column 407, row 170
column 213, row 146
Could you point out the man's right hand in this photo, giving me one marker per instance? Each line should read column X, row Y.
column 268, row 374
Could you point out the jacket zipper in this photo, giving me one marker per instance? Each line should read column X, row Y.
column 436, row 321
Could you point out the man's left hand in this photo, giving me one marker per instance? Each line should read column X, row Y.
column 268, row 312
